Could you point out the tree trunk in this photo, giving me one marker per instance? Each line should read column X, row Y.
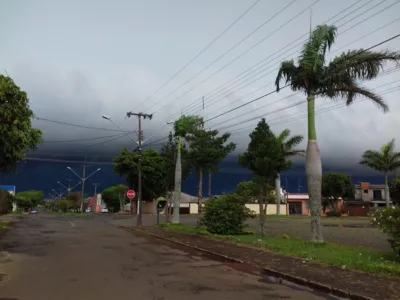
column 200, row 196
column 314, row 174
column 278, row 194
column 168, row 207
column 263, row 211
column 209, row 182
column 178, row 184
column 387, row 192
column 121, row 204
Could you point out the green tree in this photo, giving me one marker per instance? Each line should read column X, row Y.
column 6, row 201
column 289, row 143
column 183, row 127
column 65, row 205
column 394, row 188
column 206, row 148
column 249, row 190
column 336, row 186
column 115, row 197
column 36, row 197
column 17, row 136
column 340, row 78
column 153, row 173
column 385, row 160
column 23, row 202
column 75, row 199
column 265, row 158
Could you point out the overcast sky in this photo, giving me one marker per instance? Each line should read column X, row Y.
column 78, row 60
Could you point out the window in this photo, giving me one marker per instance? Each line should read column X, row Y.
column 377, row 194
column 365, row 191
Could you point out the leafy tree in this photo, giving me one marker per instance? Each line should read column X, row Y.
column 336, row 186
column 153, row 173
column 394, row 188
column 65, row 205
column 206, row 148
column 115, row 197
column 23, row 202
column 289, row 143
column 183, row 127
column 265, row 158
column 249, row 190
column 340, row 78
column 75, row 199
column 36, row 197
column 16, row 133
column 6, row 201
column 169, row 153
column 385, row 160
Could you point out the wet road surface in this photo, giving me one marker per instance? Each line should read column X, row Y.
column 53, row 257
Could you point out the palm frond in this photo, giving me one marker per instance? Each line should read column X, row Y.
column 373, row 159
column 284, row 135
column 287, row 71
column 296, row 153
column 312, row 56
column 360, row 64
column 293, row 141
column 350, row 91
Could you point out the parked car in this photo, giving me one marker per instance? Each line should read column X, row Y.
column 104, row 210
column 88, row 210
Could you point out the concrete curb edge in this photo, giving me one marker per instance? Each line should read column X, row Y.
column 294, row 279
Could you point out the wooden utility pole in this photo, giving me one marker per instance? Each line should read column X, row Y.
column 95, row 196
column 140, row 138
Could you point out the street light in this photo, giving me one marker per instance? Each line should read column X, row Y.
column 108, row 118
column 83, row 179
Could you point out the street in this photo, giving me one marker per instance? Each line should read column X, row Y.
column 57, row 257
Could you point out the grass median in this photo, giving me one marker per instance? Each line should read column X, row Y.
column 343, row 256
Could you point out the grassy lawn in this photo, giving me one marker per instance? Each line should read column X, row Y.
column 344, row 256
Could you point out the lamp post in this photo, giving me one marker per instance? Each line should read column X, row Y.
column 83, row 179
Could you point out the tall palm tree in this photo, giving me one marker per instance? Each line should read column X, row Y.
column 288, row 143
column 385, row 160
column 340, row 78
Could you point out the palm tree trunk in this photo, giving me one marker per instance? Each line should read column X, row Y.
column 278, row 194
column 387, row 192
column 200, row 196
column 314, row 173
column 178, row 184
column 209, row 182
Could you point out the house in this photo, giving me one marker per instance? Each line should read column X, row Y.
column 299, row 204
column 367, row 197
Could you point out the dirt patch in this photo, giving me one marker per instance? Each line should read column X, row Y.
column 355, row 282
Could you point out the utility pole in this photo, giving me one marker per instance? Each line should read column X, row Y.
column 83, row 187
column 83, row 179
column 140, row 137
column 95, row 196
column 69, row 184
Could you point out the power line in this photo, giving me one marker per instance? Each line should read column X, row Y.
column 81, row 140
column 279, row 51
column 229, row 50
column 274, row 91
column 80, row 126
column 240, row 81
column 200, row 53
column 67, row 161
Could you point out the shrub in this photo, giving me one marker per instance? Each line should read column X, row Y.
column 226, row 215
column 6, row 200
column 388, row 219
column 333, row 214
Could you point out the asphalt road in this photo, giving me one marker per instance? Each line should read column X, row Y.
column 52, row 257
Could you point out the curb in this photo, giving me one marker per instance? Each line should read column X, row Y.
column 294, row 279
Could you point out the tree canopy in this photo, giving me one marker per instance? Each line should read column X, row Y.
column 126, row 164
column 394, row 187
column 17, row 136
column 115, row 197
column 337, row 186
column 265, row 155
column 385, row 160
column 35, row 197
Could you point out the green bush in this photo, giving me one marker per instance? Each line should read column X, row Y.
column 388, row 219
column 226, row 215
column 333, row 214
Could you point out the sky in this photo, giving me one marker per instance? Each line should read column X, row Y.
column 79, row 60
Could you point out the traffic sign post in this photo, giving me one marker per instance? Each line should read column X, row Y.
column 131, row 194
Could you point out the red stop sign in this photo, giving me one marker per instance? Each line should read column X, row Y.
column 131, row 194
